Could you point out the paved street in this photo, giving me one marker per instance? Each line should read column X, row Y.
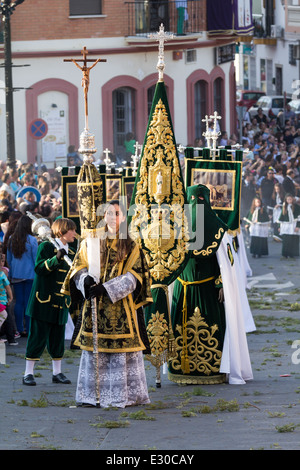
column 263, row 414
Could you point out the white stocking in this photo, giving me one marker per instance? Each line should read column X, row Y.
column 29, row 367
column 56, row 366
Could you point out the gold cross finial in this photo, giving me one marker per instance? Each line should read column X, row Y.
column 161, row 37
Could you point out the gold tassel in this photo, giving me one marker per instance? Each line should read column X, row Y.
column 171, row 348
column 185, row 363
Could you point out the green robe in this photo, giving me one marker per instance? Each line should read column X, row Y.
column 198, row 318
column 46, row 302
column 205, row 323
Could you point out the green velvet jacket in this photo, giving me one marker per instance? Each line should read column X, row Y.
column 46, row 302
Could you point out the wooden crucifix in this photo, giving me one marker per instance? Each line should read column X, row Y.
column 85, row 82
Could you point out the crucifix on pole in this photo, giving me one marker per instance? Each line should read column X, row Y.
column 85, row 77
column 161, row 37
column 215, row 134
column 206, row 134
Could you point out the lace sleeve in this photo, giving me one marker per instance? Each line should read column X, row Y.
column 120, row 286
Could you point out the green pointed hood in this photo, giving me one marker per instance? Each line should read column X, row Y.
column 214, row 228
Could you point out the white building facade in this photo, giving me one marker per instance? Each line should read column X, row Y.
column 199, row 76
column 267, row 61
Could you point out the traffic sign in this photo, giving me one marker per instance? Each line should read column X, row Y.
column 38, row 129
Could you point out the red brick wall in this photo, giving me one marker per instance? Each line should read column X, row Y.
column 49, row 19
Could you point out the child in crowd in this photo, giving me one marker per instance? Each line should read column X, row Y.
column 6, row 296
column 278, row 198
column 290, row 227
column 7, row 327
column 259, row 222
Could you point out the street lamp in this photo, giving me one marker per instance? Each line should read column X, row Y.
column 6, row 9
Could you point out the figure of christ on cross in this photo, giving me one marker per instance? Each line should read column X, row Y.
column 85, row 82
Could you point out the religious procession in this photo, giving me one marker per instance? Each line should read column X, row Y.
column 143, row 273
column 141, row 262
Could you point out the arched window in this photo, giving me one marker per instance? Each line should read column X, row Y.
column 126, row 103
column 123, row 118
column 218, row 99
column 150, row 95
column 198, row 92
column 201, row 106
column 217, row 79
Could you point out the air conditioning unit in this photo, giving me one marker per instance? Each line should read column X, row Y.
column 276, row 31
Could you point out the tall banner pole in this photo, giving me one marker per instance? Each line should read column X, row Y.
column 90, row 197
column 156, row 216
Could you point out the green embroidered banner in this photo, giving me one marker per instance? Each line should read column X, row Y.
column 156, row 221
column 115, row 186
column 223, row 178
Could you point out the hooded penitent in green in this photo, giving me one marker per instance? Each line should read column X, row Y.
column 198, row 317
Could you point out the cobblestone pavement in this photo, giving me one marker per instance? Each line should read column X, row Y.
column 181, row 420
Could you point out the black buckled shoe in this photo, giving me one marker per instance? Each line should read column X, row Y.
column 60, row 379
column 29, row 380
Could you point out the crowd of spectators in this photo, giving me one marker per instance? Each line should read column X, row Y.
column 272, row 158
column 27, row 189
column 23, row 189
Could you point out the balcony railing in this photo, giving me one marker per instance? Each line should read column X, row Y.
column 178, row 17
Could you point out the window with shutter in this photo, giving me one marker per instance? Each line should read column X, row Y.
column 86, row 7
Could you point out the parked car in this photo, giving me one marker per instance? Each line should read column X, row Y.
column 270, row 105
column 247, row 98
column 295, row 106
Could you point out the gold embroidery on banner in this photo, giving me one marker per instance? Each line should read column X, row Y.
column 209, row 249
column 229, row 254
column 158, row 334
column 218, row 236
column 160, row 197
column 90, row 196
column 197, row 379
column 159, row 179
column 204, row 355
